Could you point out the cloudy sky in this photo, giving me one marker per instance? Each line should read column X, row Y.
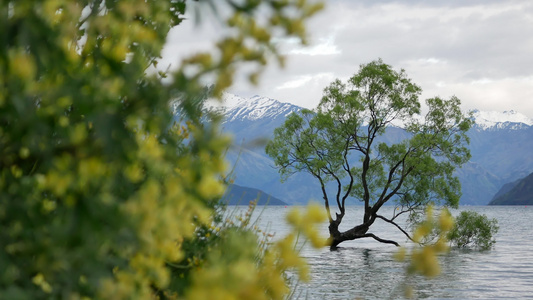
column 478, row 50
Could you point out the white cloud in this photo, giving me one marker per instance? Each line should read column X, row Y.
column 296, row 83
column 479, row 50
column 431, row 60
column 304, row 80
column 482, row 81
column 325, row 47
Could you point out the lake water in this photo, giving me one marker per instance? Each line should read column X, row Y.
column 365, row 269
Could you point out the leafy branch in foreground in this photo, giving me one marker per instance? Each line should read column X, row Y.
column 256, row 265
column 98, row 190
column 470, row 230
column 433, row 235
column 423, row 257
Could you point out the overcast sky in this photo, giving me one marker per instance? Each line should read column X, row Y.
column 478, row 50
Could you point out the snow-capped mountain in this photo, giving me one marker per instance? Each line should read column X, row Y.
column 501, row 120
column 257, row 107
column 254, row 118
column 501, row 144
column 254, row 108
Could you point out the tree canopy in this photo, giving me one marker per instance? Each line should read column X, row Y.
column 98, row 189
column 342, row 145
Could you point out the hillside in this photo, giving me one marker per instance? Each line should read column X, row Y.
column 240, row 195
column 519, row 192
column 500, row 144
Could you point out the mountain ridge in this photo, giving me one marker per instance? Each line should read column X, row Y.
column 506, row 119
column 257, row 107
column 519, row 192
column 500, row 145
column 241, row 195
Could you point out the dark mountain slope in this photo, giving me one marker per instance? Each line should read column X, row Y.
column 240, row 195
column 520, row 194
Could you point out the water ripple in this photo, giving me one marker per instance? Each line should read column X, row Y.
column 365, row 269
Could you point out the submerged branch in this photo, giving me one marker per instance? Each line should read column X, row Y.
column 380, row 239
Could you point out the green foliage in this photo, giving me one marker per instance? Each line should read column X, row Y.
column 233, row 257
column 474, row 230
column 98, row 192
column 339, row 142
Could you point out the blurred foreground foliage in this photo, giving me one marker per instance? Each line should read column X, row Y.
column 100, row 195
column 431, row 238
column 433, row 234
column 468, row 230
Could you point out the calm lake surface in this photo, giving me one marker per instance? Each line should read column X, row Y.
column 365, row 269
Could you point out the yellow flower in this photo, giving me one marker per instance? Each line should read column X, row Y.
column 24, row 152
column 400, row 254
column 22, row 65
column 315, row 213
column 209, row 187
column 40, row 281
column 294, row 218
column 446, row 222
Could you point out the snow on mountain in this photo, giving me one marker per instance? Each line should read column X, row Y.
column 257, row 107
column 500, row 120
column 239, row 108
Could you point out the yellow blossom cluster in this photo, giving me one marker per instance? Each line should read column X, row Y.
column 314, row 215
column 423, row 259
column 99, row 192
column 254, row 269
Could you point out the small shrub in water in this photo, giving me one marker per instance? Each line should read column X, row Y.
column 473, row 230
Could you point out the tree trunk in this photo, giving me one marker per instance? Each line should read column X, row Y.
column 358, row 232
column 336, row 237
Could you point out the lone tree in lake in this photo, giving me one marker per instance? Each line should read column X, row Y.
column 341, row 144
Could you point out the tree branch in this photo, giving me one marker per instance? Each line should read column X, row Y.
column 366, row 195
column 381, row 240
column 397, row 226
column 382, row 201
column 325, row 196
column 339, row 190
column 347, row 169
